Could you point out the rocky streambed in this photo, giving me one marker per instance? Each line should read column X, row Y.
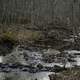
column 46, row 61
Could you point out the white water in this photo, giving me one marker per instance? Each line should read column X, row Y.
column 1, row 59
column 38, row 76
column 35, row 58
column 77, row 57
column 72, row 51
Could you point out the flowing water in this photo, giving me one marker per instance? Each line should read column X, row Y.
column 31, row 58
column 34, row 57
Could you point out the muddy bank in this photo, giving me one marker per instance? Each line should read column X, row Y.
column 46, row 37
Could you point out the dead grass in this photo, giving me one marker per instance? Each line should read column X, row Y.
column 19, row 33
column 69, row 74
